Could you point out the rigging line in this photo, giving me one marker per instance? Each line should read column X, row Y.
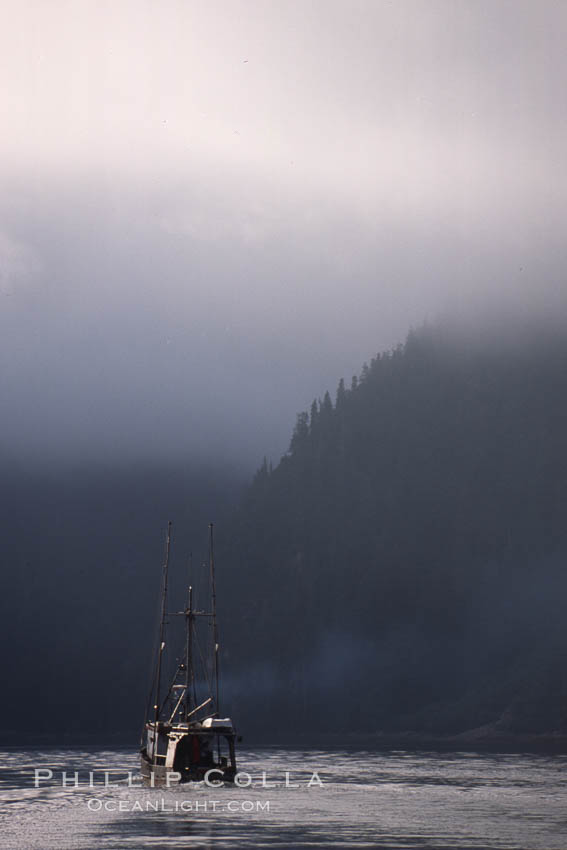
column 193, row 681
column 189, row 674
column 215, row 629
column 214, row 612
column 153, row 671
column 153, row 668
column 203, row 662
column 150, row 691
column 162, row 624
column 173, row 682
column 177, row 705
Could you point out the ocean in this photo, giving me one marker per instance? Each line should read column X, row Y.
column 296, row 798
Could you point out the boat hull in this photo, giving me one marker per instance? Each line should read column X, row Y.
column 188, row 753
column 160, row 776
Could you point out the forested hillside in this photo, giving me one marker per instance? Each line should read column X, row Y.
column 404, row 565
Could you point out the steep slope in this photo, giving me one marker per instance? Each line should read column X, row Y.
column 403, row 565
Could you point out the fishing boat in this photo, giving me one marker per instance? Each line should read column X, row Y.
column 185, row 738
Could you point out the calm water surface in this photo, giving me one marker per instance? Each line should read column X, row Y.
column 389, row 800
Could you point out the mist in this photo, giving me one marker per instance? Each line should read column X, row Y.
column 211, row 212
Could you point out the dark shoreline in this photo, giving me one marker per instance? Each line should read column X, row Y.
column 474, row 741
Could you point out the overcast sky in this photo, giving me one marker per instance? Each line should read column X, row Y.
column 212, row 211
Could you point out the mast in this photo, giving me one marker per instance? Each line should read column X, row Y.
column 162, row 632
column 189, row 674
column 214, row 614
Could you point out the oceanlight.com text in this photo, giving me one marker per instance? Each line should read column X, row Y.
column 173, row 806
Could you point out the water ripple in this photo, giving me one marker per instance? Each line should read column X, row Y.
column 399, row 800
